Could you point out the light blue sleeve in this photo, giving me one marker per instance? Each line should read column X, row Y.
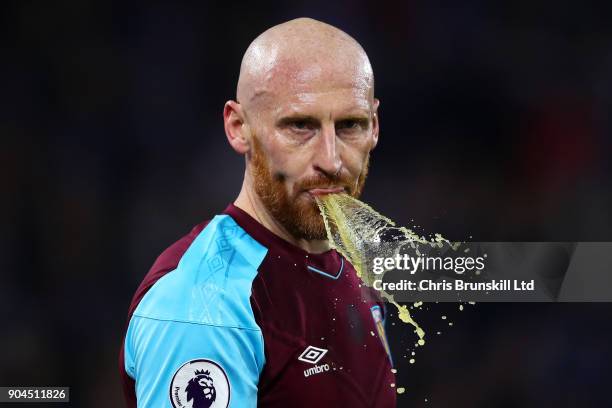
column 193, row 335
column 156, row 351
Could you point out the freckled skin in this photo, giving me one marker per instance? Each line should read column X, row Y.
column 306, row 93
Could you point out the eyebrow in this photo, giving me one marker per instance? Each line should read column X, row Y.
column 290, row 118
column 362, row 119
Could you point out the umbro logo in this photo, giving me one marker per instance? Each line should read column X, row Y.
column 312, row 355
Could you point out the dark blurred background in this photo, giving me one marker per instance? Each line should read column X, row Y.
column 495, row 125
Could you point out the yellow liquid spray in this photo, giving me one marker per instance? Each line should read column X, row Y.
column 358, row 232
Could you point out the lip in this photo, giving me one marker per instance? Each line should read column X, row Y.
column 323, row 191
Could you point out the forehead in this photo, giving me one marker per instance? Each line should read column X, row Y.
column 300, row 85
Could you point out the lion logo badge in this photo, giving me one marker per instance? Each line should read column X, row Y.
column 200, row 383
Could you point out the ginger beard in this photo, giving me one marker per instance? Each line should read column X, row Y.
column 298, row 212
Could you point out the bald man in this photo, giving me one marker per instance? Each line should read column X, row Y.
column 253, row 308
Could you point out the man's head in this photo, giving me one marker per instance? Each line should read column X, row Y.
column 305, row 118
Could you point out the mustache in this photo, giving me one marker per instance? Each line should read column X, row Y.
column 326, row 181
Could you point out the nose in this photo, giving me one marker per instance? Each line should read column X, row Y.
column 327, row 156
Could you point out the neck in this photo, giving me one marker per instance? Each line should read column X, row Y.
column 249, row 202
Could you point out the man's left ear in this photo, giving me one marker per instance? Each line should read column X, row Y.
column 375, row 124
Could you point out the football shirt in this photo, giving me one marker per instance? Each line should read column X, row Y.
column 232, row 315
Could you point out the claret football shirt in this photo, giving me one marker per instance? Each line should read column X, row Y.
column 232, row 315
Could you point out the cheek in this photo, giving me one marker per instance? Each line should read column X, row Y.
column 353, row 157
column 288, row 164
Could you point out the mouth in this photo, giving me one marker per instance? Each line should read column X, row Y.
column 326, row 190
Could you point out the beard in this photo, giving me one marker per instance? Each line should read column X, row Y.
column 297, row 211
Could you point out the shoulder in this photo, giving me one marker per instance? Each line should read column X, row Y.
column 204, row 278
column 165, row 262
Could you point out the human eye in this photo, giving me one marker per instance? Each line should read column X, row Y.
column 299, row 126
column 352, row 125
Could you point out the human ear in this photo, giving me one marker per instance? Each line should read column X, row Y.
column 375, row 124
column 236, row 128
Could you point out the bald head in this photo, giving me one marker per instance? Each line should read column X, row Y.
column 291, row 55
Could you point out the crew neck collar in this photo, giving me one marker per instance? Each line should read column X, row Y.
column 264, row 236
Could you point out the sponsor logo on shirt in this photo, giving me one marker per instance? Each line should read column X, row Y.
column 200, row 383
column 313, row 355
